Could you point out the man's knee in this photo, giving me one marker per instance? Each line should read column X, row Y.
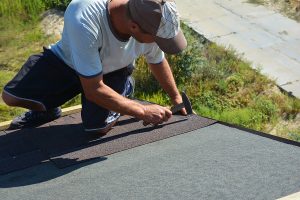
column 8, row 99
column 12, row 100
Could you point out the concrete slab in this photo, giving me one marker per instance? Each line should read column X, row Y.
column 264, row 37
column 275, row 65
column 292, row 51
column 278, row 25
column 191, row 10
column 230, row 24
column 216, row 162
column 293, row 86
column 210, row 28
column 248, row 40
column 242, row 9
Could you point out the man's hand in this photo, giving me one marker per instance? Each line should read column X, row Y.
column 155, row 114
column 177, row 100
column 163, row 74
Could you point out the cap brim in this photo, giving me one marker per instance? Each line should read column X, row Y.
column 173, row 45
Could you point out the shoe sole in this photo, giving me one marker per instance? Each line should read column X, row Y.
column 103, row 131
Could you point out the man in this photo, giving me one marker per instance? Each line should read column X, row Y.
column 95, row 56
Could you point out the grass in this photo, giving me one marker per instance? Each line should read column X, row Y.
column 259, row 2
column 222, row 86
column 219, row 83
column 20, row 37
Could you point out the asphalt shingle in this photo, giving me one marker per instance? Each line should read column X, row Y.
column 65, row 143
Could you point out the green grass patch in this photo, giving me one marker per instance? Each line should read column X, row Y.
column 20, row 36
column 25, row 10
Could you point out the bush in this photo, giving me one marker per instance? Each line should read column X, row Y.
column 59, row 4
column 266, row 107
column 187, row 62
column 145, row 82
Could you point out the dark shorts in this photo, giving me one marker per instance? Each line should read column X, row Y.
column 47, row 80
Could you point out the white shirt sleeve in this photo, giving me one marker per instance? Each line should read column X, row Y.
column 84, row 48
column 154, row 55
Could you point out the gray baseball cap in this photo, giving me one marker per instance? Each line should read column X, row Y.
column 160, row 19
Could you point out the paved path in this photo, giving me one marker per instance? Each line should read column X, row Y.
column 265, row 38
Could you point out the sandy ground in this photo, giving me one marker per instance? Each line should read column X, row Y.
column 53, row 22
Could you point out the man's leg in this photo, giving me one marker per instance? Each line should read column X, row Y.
column 100, row 120
column 43, row 83
column 15, row 101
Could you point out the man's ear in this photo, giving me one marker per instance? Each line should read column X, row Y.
column 133, row 27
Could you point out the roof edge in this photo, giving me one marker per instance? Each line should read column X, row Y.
column 64, row 112
column 262, row 134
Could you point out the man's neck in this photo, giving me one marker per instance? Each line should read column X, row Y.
column 118, row 18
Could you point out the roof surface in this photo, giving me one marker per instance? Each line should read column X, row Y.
column 210, row 161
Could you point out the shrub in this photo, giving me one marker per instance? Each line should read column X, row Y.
column 185, row 64
column 59, row 4
column 145, row 82
column 266, row 107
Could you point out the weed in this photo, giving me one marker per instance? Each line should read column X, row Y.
column 59, row 4
column 260, row 2
column 25, row 10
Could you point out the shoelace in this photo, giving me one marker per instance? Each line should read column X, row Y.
column 35, row 115
column 32, row 115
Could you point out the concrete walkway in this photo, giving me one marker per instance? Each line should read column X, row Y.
column 267, row 39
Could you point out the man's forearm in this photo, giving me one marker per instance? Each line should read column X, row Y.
column 98, row 92
column 163, row 74
column 108, row 98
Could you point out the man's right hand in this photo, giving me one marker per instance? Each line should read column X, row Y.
column 155, row 114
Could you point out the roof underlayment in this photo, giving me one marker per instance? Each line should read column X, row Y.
column 201, row 159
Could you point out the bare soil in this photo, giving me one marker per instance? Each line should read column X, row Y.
column 53, row 22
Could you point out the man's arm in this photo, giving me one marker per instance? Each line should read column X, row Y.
column 163, row 74
column 96, row 91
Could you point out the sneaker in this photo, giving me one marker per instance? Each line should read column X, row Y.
column 110, row 121
column 130, row 84
column 34, row 118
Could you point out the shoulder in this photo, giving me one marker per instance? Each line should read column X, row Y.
column 85, row 16
column 79, row 10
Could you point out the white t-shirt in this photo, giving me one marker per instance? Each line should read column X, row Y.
column 90, row 46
